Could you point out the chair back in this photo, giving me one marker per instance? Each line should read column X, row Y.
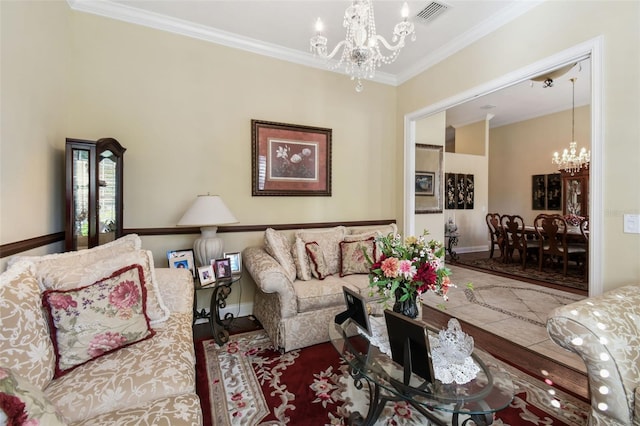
column 584, row 228
column 493, row 223
column 552, row 232
column 513, row 229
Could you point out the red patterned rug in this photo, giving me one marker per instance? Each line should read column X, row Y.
column 247, row 382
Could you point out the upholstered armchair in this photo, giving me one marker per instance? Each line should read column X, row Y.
column 605, row 332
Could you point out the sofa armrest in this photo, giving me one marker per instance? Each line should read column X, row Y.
column 176, row 288
column 270, row 277
column 605, row 332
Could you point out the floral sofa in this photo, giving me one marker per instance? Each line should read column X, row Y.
column 605, row 332
column 299, row 277
column 120, row 350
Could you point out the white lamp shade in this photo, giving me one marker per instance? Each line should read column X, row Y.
column 207, row 210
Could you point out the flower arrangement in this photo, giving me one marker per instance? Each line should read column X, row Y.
column 409, row 267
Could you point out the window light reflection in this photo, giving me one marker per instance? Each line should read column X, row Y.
column 604, row 356
column 604, row 373
column 555, row 403
column 604, row 390
column 604, row 340
column 603, row 406
column 577, row 341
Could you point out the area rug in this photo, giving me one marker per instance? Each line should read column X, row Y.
column 247, row 382
column 573, row 279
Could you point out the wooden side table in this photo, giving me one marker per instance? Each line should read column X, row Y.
column 452, row 238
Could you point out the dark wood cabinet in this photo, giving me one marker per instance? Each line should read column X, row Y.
column 94, row 192
column 575, row 193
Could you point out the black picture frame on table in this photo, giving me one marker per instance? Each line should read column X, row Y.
column 182, row 259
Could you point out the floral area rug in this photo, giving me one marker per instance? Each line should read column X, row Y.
column 573, row 279
column 247, row 382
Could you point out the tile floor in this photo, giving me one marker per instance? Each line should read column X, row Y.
column 509, row 308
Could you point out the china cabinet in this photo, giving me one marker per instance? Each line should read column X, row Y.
column 575, row 193
column 93, row 192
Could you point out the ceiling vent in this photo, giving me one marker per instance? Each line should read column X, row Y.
column 431, row 11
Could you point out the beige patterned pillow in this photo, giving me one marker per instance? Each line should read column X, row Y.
column 24, row 403
column 352, row 257
column 329, row 242
column 25, row 345
column 98, row 319
column 318, row 266
column 156, row 309
column 278, row 246
column 301, row 260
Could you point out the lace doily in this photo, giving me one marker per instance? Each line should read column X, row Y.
column 447, row 370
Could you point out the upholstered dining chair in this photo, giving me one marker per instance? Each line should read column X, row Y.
column 552, row 233
column 584, row 231
column 514, row 238
column 495, row 232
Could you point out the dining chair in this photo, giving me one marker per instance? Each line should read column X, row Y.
column 495, row 232
column 584, row 231
column 514, row 238
column 552, row 233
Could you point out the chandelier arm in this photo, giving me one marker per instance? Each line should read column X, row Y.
column 399, row 45
column 335, row 50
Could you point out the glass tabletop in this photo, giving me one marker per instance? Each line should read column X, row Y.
column 491, row 390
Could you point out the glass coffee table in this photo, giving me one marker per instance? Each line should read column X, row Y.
column 442, row 404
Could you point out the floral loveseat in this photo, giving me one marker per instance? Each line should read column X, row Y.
column 299, row 277
column 605, row 332
column 121, row 347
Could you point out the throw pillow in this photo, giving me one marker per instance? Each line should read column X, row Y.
column 301, row 260
column 278, row 246
column 352, row 256
column 319, row 267
column 89, row 322
column 24, row 335
column 156, row 309
column 329, row 241
column 24, row 403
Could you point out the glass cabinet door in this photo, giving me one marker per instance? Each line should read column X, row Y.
column 94, row 192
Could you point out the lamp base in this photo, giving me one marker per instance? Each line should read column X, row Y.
column 208, row 246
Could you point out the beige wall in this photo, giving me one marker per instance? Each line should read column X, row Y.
column 544, row 31
column 471, row 139
column 520, row 150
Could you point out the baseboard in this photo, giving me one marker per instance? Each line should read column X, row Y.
column 472, row 249
column 242, row 310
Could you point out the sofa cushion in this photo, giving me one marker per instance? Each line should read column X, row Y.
column 352, row 256
column 130, row 377
column 278, row 246
column 314, row 295
column 103, row 317
column 319, row 268
column 301, row 260
column 329, row 242
column 25, row 345
column 24, row 403
column 384, row 230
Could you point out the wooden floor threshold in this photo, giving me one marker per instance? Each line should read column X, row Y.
column 561, row 376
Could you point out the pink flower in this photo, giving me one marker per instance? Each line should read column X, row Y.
column 105, row 342
column 407, row 269
column 236, row 396
column 402, row 409
column 62, row 301
column 389, row 267
column 125, row 295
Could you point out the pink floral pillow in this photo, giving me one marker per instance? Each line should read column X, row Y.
column 352, row 257
column 97, row 319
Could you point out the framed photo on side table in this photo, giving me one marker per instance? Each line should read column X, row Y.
column 223, row 268
column 206, row 275
column 182, row 259
column 236, row 262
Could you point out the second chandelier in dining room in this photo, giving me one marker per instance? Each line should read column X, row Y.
column 361, row 49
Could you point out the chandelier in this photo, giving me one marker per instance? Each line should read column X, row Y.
column 570, row 160
column 361, row 52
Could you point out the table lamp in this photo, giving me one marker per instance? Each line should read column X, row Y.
column 207, row 211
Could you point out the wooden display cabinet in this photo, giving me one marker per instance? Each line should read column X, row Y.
column 94, row 192
column 575, row 193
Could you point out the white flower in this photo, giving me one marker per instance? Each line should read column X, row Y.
column 282, row 152
column 295, row 158
column 306, row 152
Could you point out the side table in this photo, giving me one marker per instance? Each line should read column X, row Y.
column 220, row 291
column 452, row 240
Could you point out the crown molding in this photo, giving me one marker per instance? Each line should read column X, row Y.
column 161, row 22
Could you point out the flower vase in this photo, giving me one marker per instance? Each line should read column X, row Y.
column 408, row 307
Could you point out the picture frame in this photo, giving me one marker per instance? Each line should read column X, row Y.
column 425, row 183
column 222, row 268
column 450, row 191
column 554, row 191
column 236, row 261
column 182, row 259
column 290, row 159
column 469, row 192
column 206, row 275
column 538, row 192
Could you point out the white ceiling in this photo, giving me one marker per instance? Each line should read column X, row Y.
column 282, row 29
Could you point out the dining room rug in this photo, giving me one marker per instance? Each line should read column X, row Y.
column 248, row 382
column 573, row 279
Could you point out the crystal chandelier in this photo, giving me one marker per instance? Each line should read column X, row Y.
column 571, row 161
column 361, row 49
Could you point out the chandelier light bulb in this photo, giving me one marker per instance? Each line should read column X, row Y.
column 319, row 26
column 405, row 11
